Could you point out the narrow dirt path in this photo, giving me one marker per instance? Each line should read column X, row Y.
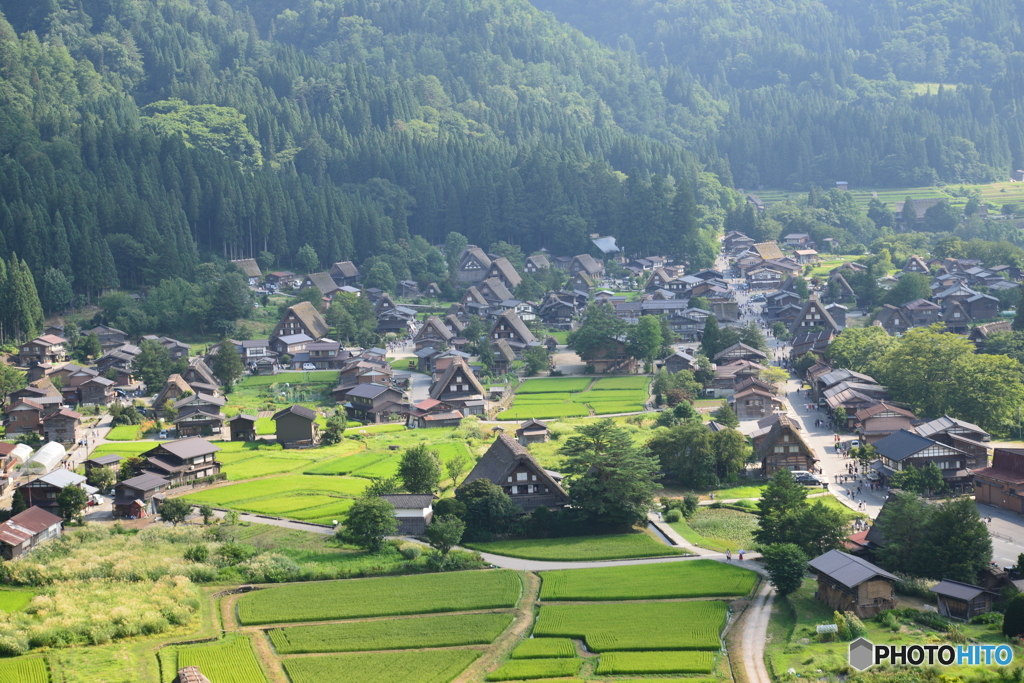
column 507, row 640
column 755, row 635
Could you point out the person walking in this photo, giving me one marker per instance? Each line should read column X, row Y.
column 728, row 556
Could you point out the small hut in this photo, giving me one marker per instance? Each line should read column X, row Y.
column 962, row 601
column 243, row 427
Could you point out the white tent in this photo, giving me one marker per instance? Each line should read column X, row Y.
column 47, row 457
column 21, row 453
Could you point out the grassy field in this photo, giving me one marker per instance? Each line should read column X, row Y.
column 431, row 666
column 125, row 433
column 730, row 528
column 636, row 382
column 522, row 669
column 555, row 397
column 550, row 385
column 315, row 499
column 580, row 548
column 634, row 626
column 231, row 661
column 391, row 634
column 24, row 670
column 685, row 662
column 15, row 601
column 388, row 596
column 693, row 579
column 542, row 648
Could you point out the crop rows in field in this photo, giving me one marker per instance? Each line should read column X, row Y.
column 543, row 648
column 636, row 626
column 391, row 634
column 24, row 670
column 387, row 596
column 232, row 661
column 685, row 662
column 430, row 666
column 694, row 579
column 521, row 669
column 550, row 385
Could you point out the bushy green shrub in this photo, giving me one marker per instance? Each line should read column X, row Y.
column 932, row 620
column 855, row 625
column 673, row 516
column 988, row 618
column 410, row 551
column 271, row 568
column 197, row 553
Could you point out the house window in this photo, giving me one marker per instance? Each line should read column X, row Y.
column 780, row 449
column 521, row 476
column 510, row 477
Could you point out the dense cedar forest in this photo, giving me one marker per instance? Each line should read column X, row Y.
column 141, row 137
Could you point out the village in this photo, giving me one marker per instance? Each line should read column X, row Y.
column 243, row 431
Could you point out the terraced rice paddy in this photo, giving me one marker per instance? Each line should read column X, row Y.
column 691, row 579
column 543, row 648
column 388, row 596
column 232, row 661
column 635, row 626
column 391, row 634
column 521, row 669
column 580, row 548
column 613, row 663
column 431, row 666
column 576, row 397
column 315, row 499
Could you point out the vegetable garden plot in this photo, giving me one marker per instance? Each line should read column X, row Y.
column 690, row 662
column 553, row 384
column 520, row 669
column 391, row 634
column 431, row 666
column 692, row 579
column 386, row 596
column 232, row 661
column 639, row 626
column 543, row 648
column 638, row 382
column 24, row 670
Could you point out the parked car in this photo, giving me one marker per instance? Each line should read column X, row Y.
column 308, row 366
column 873, row 476
column 163, row 434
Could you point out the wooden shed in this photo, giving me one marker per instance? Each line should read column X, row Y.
column 243, row 427
column 962, row 601
column 850, row 584
column 296, row 427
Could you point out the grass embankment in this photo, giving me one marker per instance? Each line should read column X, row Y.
column 580, row 548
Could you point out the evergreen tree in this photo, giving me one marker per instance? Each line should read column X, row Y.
column 227, row 365
column 710, row 341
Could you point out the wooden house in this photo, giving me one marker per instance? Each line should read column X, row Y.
column 504, row 357
column 739, row 351
column 433, row 333
column 414, row 511
column 373, row 403
column 110, row 337
column 916, row 264
column 243, row 427
column 250, row 269
column 536, row 263
column 459, row 387
column 62, row 426
column 200, row 377
column 582, row 282
column 1002, row 484
column 814, row 315
column 181, row 461
column 473, row 265
column 847, row 583
column 43, row 490
column 508, row 464
column 760, row 277
column 921, row 312
column 512, row 329
column 680, row 360
column 532, row 431
column 324, row 283
column 611, row 357
column 296, row 427
column 200, row 415
column 47, row 348
column 98, row 391
column 493, row 291
column 344, row 273
column 23, row 416
column 784, row 447
column 879, row 420
column 502, row 269
column 754, row 403
column 551, row 344
column 281, row 278
column 301, row 318
column 135, row 497
column 585, row 263
column 557, row 311
column 174, row 388
column 904, row 448
column 962, row 435
column 431, row 413
column 962, row 601
column 26, row 530
column 110, row 462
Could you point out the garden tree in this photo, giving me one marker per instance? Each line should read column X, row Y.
column 381, row 276
column 71, row 501
column 227, row 365
column 445, row 532
column 307, row 259
column 817, row 528
column 21, row 313
column 910, row 286
column 949, row 246
column 786, row 565
column 599, row 325
column 839, row 416
column 449, row 506
column 752, row 336
column 101, row 477
column 153, row 364
column 456, row 467
column 1013, row 619
column 512, row 252
column 170, row 413
column 610, row 481
column 901, row 522
column 805, row 363
column 489, row 510
column 686, row 453
column 701, row 302
column 776, row 376
column 535, row 358
column 860, row 348
column 11, row 380
column 420, row 469
column 665, row 381
column 731, row 453
column 475, row 329
column 1006, row 344
column 232, row 298
column 941, row 217
column 360, row 310
column 782, row 498
column 643, row 340
column 800, row 287
column 368, row 522
column 684, row 410
column 880, row 214
column 335, row 431
column 175, row 510
column 18, row 504
column 311, row 295
column 780, row 331
column 956, row 543
column 381, row 486
column 90, row 347
column 206, row 510
column 711, row 340
column 925, row 481
column 705, row 372
column 340, row 320
column 485, row 354
column 454, row 244
column 724, row 415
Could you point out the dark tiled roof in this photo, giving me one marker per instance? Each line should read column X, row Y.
column 106, row 459
column 958, row 590
column 302, row 411
column 849, row 570
column 901, row 444
column 145, row 482
column 35, row 519
column 409, row 500
column 190, row 448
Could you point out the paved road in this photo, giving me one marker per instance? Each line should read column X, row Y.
column 755, row 635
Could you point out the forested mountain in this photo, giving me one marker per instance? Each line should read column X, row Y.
column 138, row 136
column 825, row 90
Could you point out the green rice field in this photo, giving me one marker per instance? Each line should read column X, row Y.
column 314, row 499
column 391, row 634
column 15, row 601
column 550, row 385
column 543, row 648
column 521, row 669
column 431, row 666
column 690, row 579
column 557, row 397
column 580, row 548
column 125, row 433
column 633, row 626
column 231, row 661
column 25, row 670
column 377, row 597
column 685, row 662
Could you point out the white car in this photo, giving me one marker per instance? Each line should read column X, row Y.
column 163, row 434
column 308, row 366
column 853, row 444
column 873, row 476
